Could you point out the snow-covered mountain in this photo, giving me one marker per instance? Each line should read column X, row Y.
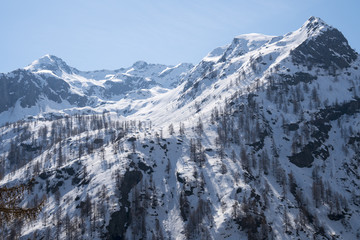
column 260, row 140
column 49, row 85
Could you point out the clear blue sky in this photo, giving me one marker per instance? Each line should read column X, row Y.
column 109, row 34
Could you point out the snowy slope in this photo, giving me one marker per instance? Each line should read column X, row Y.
column 260, row 140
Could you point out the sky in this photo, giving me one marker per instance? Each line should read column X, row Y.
column 110, row 34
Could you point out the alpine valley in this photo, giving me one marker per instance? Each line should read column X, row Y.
column 260, row 140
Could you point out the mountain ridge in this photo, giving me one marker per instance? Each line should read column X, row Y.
column 50, row 75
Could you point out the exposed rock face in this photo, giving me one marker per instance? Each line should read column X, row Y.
column 11, row 91
column 297, row 78
column 329, row 50
column 316, row 148
column 121, row 219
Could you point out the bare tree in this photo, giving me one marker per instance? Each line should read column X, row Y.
column 9, row 199
column 171, row 129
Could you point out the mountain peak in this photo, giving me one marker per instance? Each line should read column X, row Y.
column 316, row 20
column 49, row 62
column 139, row 64
column 240, row 45
column 50, row 57
column 323, row 45
column 315, row 25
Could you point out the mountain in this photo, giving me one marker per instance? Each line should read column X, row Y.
column 49, row 85
column 52, row 64
column 260, row 140
column 315, row 44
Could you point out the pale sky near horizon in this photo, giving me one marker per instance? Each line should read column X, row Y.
column 109, row 34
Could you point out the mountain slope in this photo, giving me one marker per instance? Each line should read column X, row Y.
column 260, row 140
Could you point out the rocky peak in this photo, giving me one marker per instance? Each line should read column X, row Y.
column 139, row 64
column 325, row 47
column 315, row 25
column 245, row 43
